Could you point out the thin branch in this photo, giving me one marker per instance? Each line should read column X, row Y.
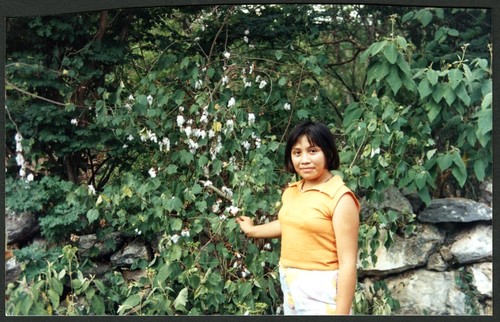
column 216, row 190
column 39, row 97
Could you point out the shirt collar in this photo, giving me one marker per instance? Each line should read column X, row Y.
column 329, row 188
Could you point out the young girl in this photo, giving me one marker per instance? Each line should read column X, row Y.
column 318, row 225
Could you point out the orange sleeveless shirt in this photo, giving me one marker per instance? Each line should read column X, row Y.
column 307, row 236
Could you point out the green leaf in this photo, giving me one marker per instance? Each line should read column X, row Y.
column 377, row 47
column 129, row 303
column 484, row 121
column 449, row 95
column 278, row 54
column 174, row 204
column 181, row 300
column 480, row 169
column 432, row 76
column 462, row 94
column 455, row 76
column 54, row 298
column 459, row 175
column 425, row 17
column 302, row 114
column 453, row 32
column 444, row 161
column 424, row 88
column 487, row 100
column 352, row 113
column 394, row 81
column 97, row 305
column 92, row 215
column 391, row 53
column 171, row 169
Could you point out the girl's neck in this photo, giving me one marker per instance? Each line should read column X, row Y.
column 309, row 184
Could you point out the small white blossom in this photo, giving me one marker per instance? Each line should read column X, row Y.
column 181, row 109
column 223, row 217
column 207, row 183
column 251, row 118
column 374, row 152
column 30, row 177
column 225, row 80
column 175, row 238
column 74, row 121
column 267, row 246
column 131, row 97
column 150, row 100
column 137, row 231
column 246, row 145
column 245, row 39
column 246, row 312
column 91, row 189
column 22, row 172
column 262, row 84
column 247, row 32
column 227, row 55
column 211, row 134
column 215, row 208
column 231, row 102
column 198, row 84
column 188, row 130
column 165, row 144
column 130, row 137
column 180, row 120
column 152, row 172
column 233, row 210
column 287, row 107
column 248, row 84
column 20, row 160
column 185, row 233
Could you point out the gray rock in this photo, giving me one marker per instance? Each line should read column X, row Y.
column 430, row 293
column 405, row 254
column 474, row 244
column 132, row 252
column 19, row 227
column 455, row 210
column 87, row 242
column 12, row 271
column 437, row 263
column 482, row 278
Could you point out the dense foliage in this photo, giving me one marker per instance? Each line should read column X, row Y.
column 164, row 123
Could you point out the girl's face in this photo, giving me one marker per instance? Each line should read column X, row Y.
column 309, row 161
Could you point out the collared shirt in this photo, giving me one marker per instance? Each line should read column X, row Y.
column 307, row 235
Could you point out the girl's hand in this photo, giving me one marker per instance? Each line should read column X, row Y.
column 246, row 223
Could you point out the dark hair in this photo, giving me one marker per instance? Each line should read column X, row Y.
column 318, row 135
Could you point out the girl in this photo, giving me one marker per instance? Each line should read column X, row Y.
column 318, row 225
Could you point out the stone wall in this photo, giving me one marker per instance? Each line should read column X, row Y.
column 444, row 268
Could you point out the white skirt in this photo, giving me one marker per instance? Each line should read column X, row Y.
column 308, row 292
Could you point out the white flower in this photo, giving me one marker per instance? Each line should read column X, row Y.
column 246, row 145
column 227, row 54
column 246, row 312
column 233, row 210
column 30, row 177
column 262, row 84
column 251, row 118
column 231, row 102
column 175, row 238
column 152, row 172
column 131, row 97
column 137, row 231
column 374, row 152
column 215, row 208
column 267, row 246
column 165, row 143
column 225, row 80
column 185, row 233
column 18, row 137
column 248, row 84
column 287, row 107
column 74, row 121
column 207, row 183
column 181, row 109
column 150, row 100
column 91, row 189
column 19, row 147
column 245, row 39
column 223, row 217
column 198, row 84
column 180, row 120
column 130, row 137
column 247, row 32
column 211, row 134
column 22, row 172
column 188, row 130
column 20, row 160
